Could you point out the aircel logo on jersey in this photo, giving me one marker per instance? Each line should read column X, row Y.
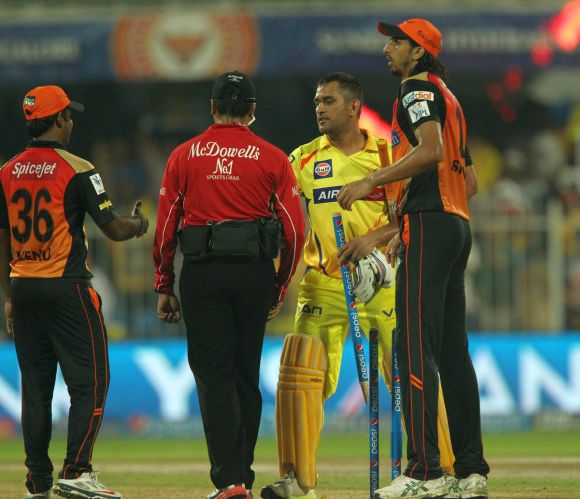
column 326, row 194
column 417, row 95
column 419, row 110
column 213, row 149
column 33, row 170
column 323, row 169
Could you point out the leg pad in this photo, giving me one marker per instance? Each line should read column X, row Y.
column 299, row 406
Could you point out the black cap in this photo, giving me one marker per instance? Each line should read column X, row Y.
column 234, row 86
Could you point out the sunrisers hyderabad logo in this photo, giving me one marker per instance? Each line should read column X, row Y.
column 184, row 46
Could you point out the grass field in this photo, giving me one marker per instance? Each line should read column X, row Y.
column 524, row 465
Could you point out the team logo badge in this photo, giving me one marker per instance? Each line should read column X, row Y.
column 419, row 110
column 97, row 183
column 323, row 169
column 395, row 139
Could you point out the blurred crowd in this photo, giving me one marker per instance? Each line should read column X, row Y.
column 526, row 216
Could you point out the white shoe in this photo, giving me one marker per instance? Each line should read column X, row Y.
column 286, row 488
column 86, row 486
column 38, row 495
column 475, row 485
column 404, row 486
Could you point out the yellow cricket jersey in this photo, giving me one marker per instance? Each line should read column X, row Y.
column 321, row 170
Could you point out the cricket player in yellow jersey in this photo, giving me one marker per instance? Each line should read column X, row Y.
column 311, row 357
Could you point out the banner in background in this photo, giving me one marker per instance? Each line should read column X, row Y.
column 517, row 375
column 188, row 46
column 199, row 44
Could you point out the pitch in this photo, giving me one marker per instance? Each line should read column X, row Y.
column 524, row 465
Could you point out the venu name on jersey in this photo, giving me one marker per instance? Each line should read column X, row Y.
column 326, row 194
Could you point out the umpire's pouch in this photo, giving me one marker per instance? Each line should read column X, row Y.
column 194, row 242
column 246, row 239
column 235, row 238
column 270, row 237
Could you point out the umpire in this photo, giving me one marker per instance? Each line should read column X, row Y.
column 230, row 199
column 51, row 307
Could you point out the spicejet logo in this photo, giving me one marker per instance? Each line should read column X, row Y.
column 326, row 194
column 323, row 169
column 36, row 170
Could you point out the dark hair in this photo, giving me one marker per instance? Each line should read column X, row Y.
column 233, row 108
column 347, row 82
column 42, row 125
column 430, row 64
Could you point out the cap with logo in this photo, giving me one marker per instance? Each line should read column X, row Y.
column 45, row 101
column 421, row 31
column 234, row 86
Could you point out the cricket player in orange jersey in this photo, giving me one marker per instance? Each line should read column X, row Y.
column 435, row 177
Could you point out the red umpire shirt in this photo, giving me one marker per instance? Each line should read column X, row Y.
column 227, row 173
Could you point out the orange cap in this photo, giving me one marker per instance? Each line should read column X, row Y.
column 41, row 102
column 421, row 31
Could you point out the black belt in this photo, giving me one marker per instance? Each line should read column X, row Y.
column 250, row 239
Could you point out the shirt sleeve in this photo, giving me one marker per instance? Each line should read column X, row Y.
column 421, row 101
column 289, row 212
column 169, row 214
column 294, row 159
column 4, row 221
column 93, row 197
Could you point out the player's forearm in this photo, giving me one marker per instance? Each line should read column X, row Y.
column 123, row 228
column 383, row 235
column 419, row 160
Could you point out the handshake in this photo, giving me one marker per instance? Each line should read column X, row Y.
column 371, row 274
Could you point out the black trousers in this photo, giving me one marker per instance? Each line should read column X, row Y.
column 431, row 343
column 225, row 304
column 57, row 321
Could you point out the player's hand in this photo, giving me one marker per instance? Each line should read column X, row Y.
column 353, row 191
column 168, row 309
column 274, row 310
column 8, row 316
column 356, row 249
column 393, row 249
column 144, row 221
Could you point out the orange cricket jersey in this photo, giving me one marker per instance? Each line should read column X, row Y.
column 425, row 97
column 45, row 193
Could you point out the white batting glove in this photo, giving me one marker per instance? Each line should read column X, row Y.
column 371, row 274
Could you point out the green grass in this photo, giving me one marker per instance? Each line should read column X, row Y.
column 524, row 465
column 333, row 447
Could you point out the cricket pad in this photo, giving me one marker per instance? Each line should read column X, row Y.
column 445, row 449
column 300, row 406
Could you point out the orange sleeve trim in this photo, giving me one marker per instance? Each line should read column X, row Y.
column 95, row 298
column 406, row 230
column 307, row 159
